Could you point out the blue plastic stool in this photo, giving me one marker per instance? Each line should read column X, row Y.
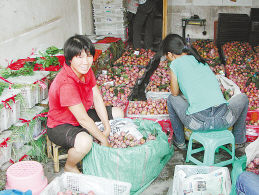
column 211, row 141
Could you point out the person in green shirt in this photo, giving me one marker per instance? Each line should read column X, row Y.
column 196, row 100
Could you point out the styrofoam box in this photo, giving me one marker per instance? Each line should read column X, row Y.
column 5, row 152
column 117, row 20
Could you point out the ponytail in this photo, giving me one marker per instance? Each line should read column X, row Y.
column 192, row 51
column 176, row 44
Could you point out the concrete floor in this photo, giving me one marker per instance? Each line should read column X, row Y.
column 159, row 186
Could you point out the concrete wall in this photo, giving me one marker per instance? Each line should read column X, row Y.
column 28, row 24
column 38, row 24
column 206, row 9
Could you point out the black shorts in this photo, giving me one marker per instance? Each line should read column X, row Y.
column 64, row 135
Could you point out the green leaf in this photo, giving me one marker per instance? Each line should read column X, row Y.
column 122, row 90
column 116, row 92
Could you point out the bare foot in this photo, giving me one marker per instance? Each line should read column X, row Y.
column 71, row 169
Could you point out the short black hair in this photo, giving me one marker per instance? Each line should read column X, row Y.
column 75, row 45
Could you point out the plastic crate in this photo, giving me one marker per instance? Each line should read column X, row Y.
column 157, row 95
column 6, row 146
column 30, row 96
column 43, row 90
column 252, row 115
column 252, row 132
column 10, row 111
column 79, row 183
column 16, row 111
column 5, row 118
column 30, row 133
column 232, row 27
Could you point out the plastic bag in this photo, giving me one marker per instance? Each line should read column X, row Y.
column 138, row 165
column 228, row 84
column 122, row 124
column 196, row 180
column 80, row 183
column 15, row 192
column 252, row 151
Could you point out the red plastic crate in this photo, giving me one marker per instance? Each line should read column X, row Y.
column 252, row 132
column 109, row 40
column 252, row 115
column 164, row 123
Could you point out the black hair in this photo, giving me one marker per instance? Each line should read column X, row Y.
column 176, row 45
column 75, row 45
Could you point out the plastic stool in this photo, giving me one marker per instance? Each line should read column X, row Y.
column 211, row 141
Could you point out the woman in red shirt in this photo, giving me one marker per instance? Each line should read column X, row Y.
column 71, row 122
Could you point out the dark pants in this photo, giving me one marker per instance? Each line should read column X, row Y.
column 65, row 134
column 144, row 22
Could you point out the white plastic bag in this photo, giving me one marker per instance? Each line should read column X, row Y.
column 122, row 124
column 200, row 180
column 228, row 84
column 80, row 183
column 252, row 151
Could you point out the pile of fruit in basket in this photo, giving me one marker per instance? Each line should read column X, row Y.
column 148, row 107
column 208, row 50
column 125, row 140
column 139, row 57
column 241, row 67
column 160, row 80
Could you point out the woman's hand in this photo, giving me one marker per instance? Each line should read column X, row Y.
column 107, row 130
column 105, row 143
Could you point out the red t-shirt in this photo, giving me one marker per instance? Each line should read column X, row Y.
column 68, row 90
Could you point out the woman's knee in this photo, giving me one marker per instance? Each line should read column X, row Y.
column 117, row 112
column 83, row 142
column 245, row 98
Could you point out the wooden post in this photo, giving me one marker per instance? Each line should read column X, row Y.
column 164, row 32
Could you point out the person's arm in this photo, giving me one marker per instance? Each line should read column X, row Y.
column 101, row 110
column 86, row 122
column 174, row 87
